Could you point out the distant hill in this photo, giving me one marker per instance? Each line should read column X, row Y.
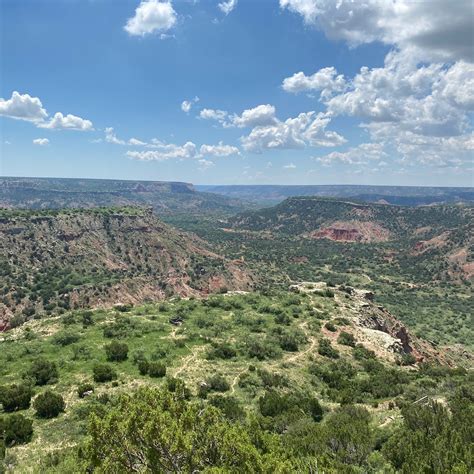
column 164, row 197
column 440, row 235
column 400, row 195
column 51, row 261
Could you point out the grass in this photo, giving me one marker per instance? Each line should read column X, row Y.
column 235, row 320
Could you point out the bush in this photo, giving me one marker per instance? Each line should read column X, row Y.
column 116, row 351
column 16, row 397
column 156, row 369
column 215, row 383
column 84, row 389
column 346, row 339
column 263, row 349
column 325, row 349
column 104, row 373
column 407, row 359
column 330, row 327
column 361, row 353
column 43, row 371
column 15, row 429
column 222, row 351
column 143, row 366
column 65, row 338
column 230, row 406
column 48, row 404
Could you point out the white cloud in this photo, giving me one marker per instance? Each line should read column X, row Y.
column 165, row 151
column 227, row 6
column 290, row 166
column 205, row 164
column 419, row 104
column 151, row 16
column 67, row 122
column 326, row 80
column 110, row 137
column 219, row 150
column 258, row 116
column 186, row 105
column 355, row 155
column 23, row 107
column 161, row 151
column 41, row 141
column 136, row 142
column 433, row 30
column 430, row 100
column 303, row 130
column 214, row 114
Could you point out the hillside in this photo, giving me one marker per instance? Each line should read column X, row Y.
column 284, row 364
column 443, row 233
column 164, row 197
column 55, row 260
column 400, row 195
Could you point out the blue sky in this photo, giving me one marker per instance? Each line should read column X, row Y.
column 217, row 92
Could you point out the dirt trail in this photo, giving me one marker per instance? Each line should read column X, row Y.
column 311, row 347
column 236, row 379
column 187, row 360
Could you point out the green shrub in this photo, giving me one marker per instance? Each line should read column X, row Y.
column 325, row 349
column 84, row 388
column 156, row 369
column 330, row 326
column 103, row 373
column 48, row 404
column 361, row 353
column 229, row 406
column 346, row 339
column 143, row 366
column 407, row 359
column 222, row 351
column 116, row 351
column 43, row 372
column 215, row 383
column 65, row 338
column 16, row 397
column 15, row 429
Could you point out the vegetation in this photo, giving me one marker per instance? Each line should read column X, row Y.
column 48, row 404
column 292, row 377
column 291, row 407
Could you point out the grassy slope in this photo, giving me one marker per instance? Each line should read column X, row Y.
column 235, row 319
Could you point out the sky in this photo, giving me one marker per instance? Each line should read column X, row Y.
column 239, row 91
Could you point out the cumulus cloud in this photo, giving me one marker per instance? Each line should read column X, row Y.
column 219, row 150
column 431, row 30
column 290, row 166
column 23, row 107
column 151, row 16
column 304, row 130
column 136, row 142
column 41, row 141
column 67, row 122
column 205, row 164
column 165, row 151
column 258, row 116
column 110, row 137
column 356, row 155
column 431, row 100
column 326, row 81
column 186, row 105
column 227, row 6
column 214, row 114
column 158, row 150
